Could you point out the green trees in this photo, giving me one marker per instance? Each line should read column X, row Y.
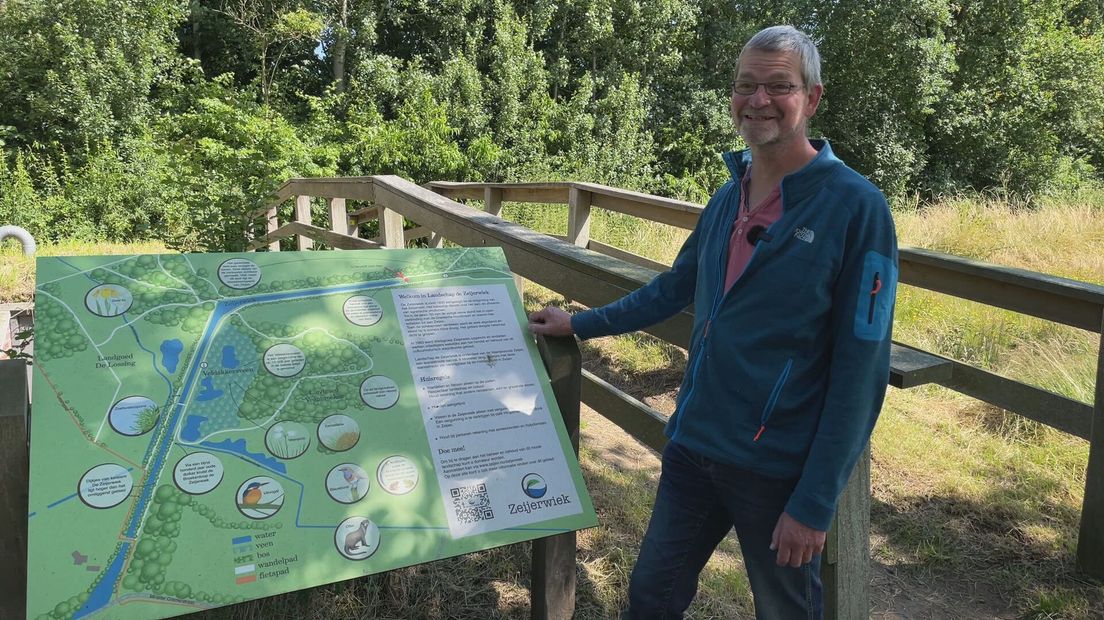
column 79, row 74
column 885, row 71
column 169, row 119
column 1024, row 106
column 80, row 81
column 271, row 28
column 939, row 97
column 228, row 155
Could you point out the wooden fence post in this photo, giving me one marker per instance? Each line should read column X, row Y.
column 13, row 487
column 492, row 201
column 578, row 217
column 339, row 220
column 845, row 565
column 303, row 214
column 391, row 228
column 552, row 593
column 271, row 224
column 1090, row 542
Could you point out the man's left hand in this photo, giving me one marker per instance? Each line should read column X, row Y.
column 795, row 543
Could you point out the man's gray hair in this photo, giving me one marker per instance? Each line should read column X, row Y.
column 788, row 39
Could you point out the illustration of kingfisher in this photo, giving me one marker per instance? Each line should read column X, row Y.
column 353, row 477
column 251, row 496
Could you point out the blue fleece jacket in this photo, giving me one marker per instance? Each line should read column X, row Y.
column 788, row 369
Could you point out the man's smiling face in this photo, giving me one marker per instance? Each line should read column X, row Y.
column 765, row 120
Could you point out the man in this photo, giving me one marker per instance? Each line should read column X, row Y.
column 792, row 271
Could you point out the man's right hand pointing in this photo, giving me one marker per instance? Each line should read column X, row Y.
column 551, row 322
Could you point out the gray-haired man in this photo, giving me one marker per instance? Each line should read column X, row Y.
column 792, row 271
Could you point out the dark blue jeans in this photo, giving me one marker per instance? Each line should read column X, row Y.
column 698, row 501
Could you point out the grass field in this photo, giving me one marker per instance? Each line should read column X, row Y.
column 975, row 511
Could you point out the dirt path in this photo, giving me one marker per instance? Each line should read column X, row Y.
column 614, row 445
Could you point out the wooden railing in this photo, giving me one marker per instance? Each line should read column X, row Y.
column 1047, row 297
column 594, row 273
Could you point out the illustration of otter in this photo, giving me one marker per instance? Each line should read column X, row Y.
column 355, row 538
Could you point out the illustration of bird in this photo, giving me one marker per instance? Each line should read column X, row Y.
column 251, row 496
column 352, row 477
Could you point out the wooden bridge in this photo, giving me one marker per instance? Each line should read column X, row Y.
column 594, row 273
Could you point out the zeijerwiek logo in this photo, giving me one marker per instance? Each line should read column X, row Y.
column 534, row 486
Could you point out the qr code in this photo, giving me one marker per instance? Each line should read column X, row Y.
column 472, row 504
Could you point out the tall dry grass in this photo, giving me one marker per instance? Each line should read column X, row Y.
column 17, row 272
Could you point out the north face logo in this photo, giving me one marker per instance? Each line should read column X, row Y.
column 804, row 234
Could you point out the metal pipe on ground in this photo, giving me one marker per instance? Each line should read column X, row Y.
column 22, row 235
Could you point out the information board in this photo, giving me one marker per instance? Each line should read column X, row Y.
column 213, row 428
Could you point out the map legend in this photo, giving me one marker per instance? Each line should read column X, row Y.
column 245, row 574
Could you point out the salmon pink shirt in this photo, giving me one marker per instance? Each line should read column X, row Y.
column 763, row 214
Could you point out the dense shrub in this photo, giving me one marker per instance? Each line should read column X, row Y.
column 229, row 155
column 109, row 197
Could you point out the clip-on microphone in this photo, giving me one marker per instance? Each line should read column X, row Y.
column 757, row 234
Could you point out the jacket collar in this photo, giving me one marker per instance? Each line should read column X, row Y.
column 797, row 185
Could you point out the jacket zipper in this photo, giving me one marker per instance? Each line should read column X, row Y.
column 875, row 287
column 721, row 294
column 768, row 409
column 705, row 331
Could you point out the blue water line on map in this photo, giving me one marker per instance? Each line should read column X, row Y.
column 62, row 500
column 101, row 596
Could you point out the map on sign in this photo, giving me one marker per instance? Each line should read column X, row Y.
column 213, row 428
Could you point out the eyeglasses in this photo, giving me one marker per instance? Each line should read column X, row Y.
column 774, row 89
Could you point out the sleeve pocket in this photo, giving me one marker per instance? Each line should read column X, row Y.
column 877, row 291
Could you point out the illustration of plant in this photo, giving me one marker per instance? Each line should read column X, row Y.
column 287, row 440
column 107, row 300
column 278, row 443
column 103, row 301
column 346, row 440
column 147, row 419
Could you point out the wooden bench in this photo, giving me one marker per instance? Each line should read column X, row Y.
column 909, row 367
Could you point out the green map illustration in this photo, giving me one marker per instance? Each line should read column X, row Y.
column 213, row 428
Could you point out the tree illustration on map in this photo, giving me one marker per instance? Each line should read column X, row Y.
column 216, row 423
